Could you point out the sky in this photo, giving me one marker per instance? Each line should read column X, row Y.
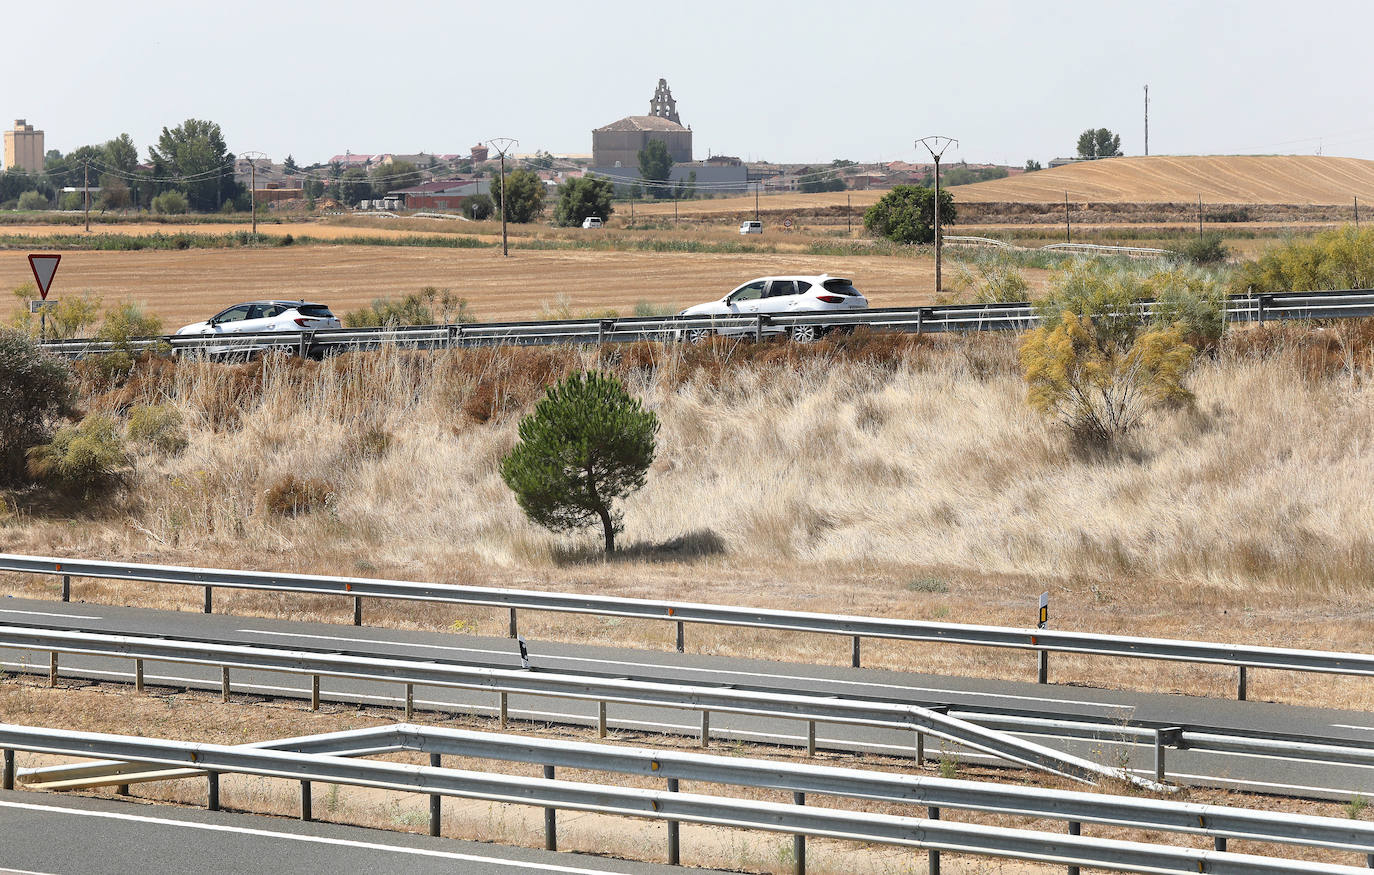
column 800, row 81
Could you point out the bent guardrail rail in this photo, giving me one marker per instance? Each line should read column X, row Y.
column 929, row 833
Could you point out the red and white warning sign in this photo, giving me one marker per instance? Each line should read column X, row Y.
column 44, row 269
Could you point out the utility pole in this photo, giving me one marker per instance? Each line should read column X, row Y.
column 936, row 146
column 86, row 191
column 253, row 186
column 756, row 200
column 1068, row 232
column 1147, row 120
column 502, row 145
column 848, row 213
column 1199, row 215
column 1357, row 212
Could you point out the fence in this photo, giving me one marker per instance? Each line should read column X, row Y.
column 1242, row 657
column 317, row 759
column 945, row 318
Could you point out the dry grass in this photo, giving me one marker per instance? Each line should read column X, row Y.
column 888, row 476
column 201, row 717
column 1232, row 179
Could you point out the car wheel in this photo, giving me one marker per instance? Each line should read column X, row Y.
column 805, row 333
column 696, row 335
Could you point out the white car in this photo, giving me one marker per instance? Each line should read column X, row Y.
column 260, row 316
column 779, row 295
column 750, row 226
column 592, row 222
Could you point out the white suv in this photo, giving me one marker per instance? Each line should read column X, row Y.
column 749, row 226
column 792, row 295
column 592, row 222
column 261, row 316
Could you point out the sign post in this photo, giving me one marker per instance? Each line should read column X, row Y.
column 44, row 268
column 1043, row 621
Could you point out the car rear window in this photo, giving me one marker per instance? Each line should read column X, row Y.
column 319, row 311
column 841, row 287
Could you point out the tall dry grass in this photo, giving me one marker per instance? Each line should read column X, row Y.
column 899, row 476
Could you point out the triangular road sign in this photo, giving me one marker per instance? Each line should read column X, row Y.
column 44, row 268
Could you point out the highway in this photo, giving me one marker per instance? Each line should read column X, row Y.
column 59, row 835
column 1006, row 697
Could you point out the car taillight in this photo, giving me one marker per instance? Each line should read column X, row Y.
column 303, row 322
column 830, row 299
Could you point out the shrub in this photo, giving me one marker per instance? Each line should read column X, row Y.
column 477, row 207
column 34, row 390
column 86, row 459
column 1338, row 259
column 292, row 496
column 587, row 443
column 992, row 279
column 170, row 203
column 71, row 201
column 906, row 214
column 158, row 426
column 1204, row 249
column 32, row 200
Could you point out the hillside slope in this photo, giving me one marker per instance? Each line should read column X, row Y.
column 1257, row 179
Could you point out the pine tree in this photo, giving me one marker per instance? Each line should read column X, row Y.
column 586, row 444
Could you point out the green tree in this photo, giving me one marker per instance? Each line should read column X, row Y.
column 170, row 203
column 355, row 186
column 587, row 443
column 523, row 198
column 289, row 165
column 1032, row 165
column 906, row 214
column 478, row 207
column 121, row 154
column 579, row 198
column 391, row 177
column 32, row 200
column 194, row 157
column 114, row 193
column 655, row 166
column 37, row 390
column 1099, row 143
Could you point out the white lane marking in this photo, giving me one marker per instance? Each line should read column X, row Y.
column 49, row 614
column 751, row 674
column 1353, row 726
column 23, row 872
column 345, row 843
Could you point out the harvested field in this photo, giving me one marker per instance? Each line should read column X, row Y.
column 1232, row 179
column 184, row 286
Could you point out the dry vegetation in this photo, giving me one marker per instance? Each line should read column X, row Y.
column 882, row 475
column 192, row 716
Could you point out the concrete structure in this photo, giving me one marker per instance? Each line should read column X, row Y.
column 618, row 144
column 24, row 147
column 442, row 194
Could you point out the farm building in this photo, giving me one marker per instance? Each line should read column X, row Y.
column 442, row 194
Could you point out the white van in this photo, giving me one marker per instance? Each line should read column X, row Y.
column 592, row 222
column 749, row 226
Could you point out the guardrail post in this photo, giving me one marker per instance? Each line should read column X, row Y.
column 811, row 738
column 933, row 867
column 758, row 328
column 854, row 653
column 674, row 843
column 410, row 701
column 601, row 719
column 306, row 814
column 1170, row 735
column 550, row 819
column 212, row 796
column 1075, row 828
column 799, row 840
column 435, row 800
column 1042, row 675
column 1219, row 843
column 1240, row 685
column 314, row 692
column 1369, row 861
column 66, row 588
column 505, row 712
column 138, row 675
column 920, row 749
column 514, row 630
column 122, row 789
column 307, row 340
column 681, row 637
column 705, row 728
column 207, row 600
column 224, row 684
column 7, row 780
column 52, row 669
column 357, row 610
column 1259, row 309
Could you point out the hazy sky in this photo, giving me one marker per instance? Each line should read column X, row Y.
column 798, row 81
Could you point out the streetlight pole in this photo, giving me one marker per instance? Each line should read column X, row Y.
column 937, row 146
column 502, row 145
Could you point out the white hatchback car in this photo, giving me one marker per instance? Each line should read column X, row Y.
column 261, row 317
column 780, row 295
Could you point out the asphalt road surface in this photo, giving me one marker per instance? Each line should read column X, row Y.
column 1262, row 774
column 51, row 834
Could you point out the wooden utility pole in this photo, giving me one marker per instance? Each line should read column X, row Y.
column 502, row 145
column 1147, row 120
column 936, row 146
column 1068, row 232
column 86, row 192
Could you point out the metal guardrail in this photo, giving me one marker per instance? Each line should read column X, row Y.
column 704, row 699
column 1091, row 248
column 943, row 318
column 931, row 833
column 1242, row 656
